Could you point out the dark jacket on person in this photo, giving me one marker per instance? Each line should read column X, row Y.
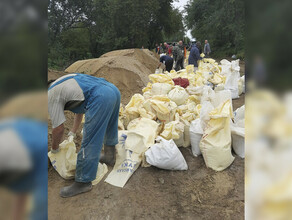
column 194, row 56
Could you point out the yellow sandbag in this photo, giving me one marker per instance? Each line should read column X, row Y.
column 161, row 78
column 145, row 114
column 147, row 88
column 64, row 162
column 147, row 95
column 190, row 68
column 198, row 109
column 174, row 129
column 120, row 125
column 132, row 109
column 132, row 144
column 178, row 95
column 182, row 109
column 194, row 99
column 162, row 107
column 184, row 139
column 126, row 163
column 146, row 129
column 216, row 141
column 217, row 79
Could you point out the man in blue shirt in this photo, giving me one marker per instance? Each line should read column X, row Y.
column 194, row 56
column 167, row 61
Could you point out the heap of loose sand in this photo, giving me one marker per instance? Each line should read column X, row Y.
column 127, row 69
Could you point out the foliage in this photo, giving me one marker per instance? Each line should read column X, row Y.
column 90, row 28
column 221, row 22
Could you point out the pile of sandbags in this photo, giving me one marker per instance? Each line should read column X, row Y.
column 197, row 116
column 166, row 116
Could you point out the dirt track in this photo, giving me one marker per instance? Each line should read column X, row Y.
column 152, row 193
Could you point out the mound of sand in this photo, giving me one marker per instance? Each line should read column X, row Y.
column 54, row 74
column 126, row 69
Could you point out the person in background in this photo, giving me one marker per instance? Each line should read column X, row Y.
column 194, row 56
column 207, row 49
column 160, row 48
column 170, row 47
column 199, row 46
column 167, row 61
column 178, row 57
column 99, row 100
column 142, row 47
column 184, row 52
column 166, row 46
column 156, row 48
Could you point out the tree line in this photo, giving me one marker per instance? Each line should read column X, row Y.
column 221, row 22
column 89, row 28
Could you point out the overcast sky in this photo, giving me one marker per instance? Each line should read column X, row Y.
column 180, row 4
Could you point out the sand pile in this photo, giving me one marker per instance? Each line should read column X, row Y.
column 127, row 69
column 54, row 74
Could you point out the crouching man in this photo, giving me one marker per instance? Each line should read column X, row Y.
column 99, row 100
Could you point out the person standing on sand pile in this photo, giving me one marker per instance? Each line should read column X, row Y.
column 167, row 61
column 99, row 100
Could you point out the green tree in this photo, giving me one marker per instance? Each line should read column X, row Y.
column 221, row 22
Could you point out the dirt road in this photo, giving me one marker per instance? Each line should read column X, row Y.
column 152, row 193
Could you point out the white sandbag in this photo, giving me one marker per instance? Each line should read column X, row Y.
column 207, row 107
column 166, row 155
column 238, row 140
column 216, row 142
column 219, row 97
column 207, row 93
column 239, row 114
column 196, row 133
column 219, row 87
column 243, row 83
column 232, row 83
column 160, row 88
column 178, row 95
column 238, row 132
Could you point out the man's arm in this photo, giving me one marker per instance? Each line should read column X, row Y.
column 57, row 134
column 77, row 122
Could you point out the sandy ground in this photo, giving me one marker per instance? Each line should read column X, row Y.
column 152, row 193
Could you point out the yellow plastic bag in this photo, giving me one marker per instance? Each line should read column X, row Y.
column 162, row 107
column 130, row 149
column 190, row 68
column 216, row 141
column 64, row 162
column 132, row 109
column 217, row 79
column 173, row 130
column 147, row 88
column 161, row 78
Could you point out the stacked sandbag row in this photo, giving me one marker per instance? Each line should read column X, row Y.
column 177, row 109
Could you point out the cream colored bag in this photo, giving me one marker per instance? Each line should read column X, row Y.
column 65, row 161
column 216, row 142
column 178, row 95
column 132, row 145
